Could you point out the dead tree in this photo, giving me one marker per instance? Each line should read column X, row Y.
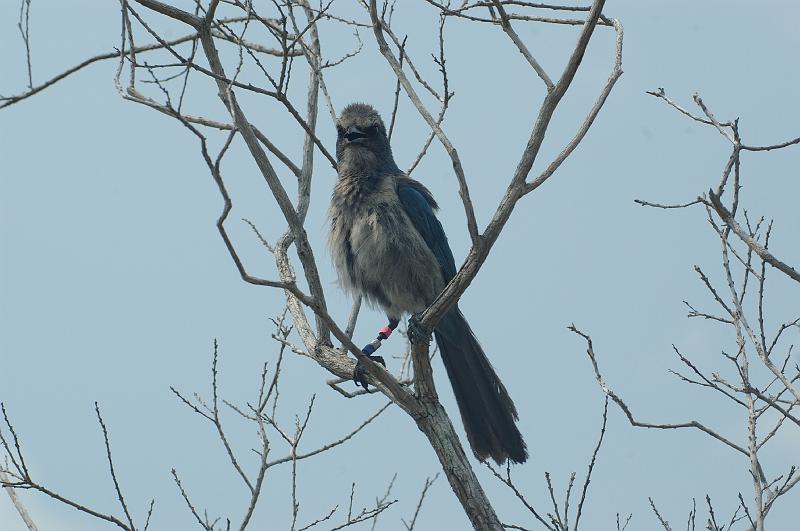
column 758, row 375
column 292, row 27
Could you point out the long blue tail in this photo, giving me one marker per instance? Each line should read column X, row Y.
column 486, row 409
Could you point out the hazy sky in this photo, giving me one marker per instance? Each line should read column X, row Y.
column 114, row 282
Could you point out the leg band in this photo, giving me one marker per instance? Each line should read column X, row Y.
column 372, row 347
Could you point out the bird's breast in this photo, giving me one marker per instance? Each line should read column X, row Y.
column 378, row 253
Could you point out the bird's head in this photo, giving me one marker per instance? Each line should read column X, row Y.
column 361, row 139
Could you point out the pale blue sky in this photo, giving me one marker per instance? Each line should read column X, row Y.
column 114, row 282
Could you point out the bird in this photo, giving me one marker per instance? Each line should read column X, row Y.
column 389, row 247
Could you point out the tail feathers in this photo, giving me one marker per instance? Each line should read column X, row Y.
column 486, row 409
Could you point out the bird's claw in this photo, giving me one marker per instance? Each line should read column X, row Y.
column 416, row 332
column 360, row 372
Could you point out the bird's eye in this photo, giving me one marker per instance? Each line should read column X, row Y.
column 372, row 130
column 340, row 130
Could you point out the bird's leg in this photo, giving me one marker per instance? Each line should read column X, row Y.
column 416, row 332
column 359, row 372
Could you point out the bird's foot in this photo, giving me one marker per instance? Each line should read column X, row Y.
column 360, row 372
column 416, row 332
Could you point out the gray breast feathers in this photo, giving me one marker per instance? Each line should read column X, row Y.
column 378, row 252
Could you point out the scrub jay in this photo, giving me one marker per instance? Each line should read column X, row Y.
column 388, row 246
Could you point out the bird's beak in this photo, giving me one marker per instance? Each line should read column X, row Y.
column 355, row 135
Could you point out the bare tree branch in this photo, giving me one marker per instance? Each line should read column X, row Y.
column 765, row 255
column 625, row 409
column 5, row 480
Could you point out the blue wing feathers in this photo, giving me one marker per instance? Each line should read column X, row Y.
column 419, row 205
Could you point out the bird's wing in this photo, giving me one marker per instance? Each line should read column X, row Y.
column 419, row 205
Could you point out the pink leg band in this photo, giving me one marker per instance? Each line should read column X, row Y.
column 385, row 331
